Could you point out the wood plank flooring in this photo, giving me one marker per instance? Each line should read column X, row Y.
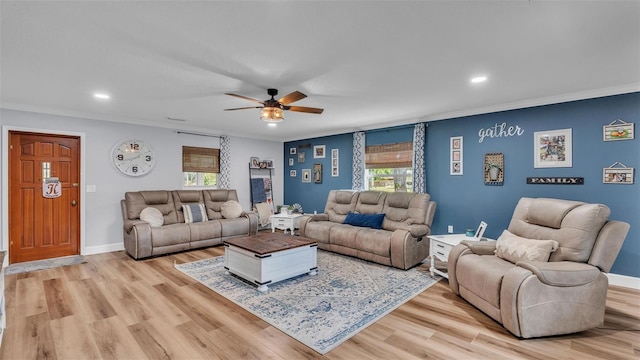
column 113, row 307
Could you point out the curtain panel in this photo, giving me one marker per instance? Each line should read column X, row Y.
column 419, row 142
column 224, row 178
column 358, row 160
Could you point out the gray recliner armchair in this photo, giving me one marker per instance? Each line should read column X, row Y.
column 540, row 297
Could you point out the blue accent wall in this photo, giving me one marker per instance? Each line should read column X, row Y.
column 464, row 200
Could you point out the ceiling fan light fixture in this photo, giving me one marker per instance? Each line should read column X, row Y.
column 271, row 114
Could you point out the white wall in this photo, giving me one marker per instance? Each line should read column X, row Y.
column 102, row 219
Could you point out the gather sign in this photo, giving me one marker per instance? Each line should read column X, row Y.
column 499, row 130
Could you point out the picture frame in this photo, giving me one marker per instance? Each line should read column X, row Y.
column 335, row 162
column 254, row 162
column 290, row 161
column 293, row 173
column 456, row 155
column 269, row 164
column 306, row 175
column 292, row 151
column 617, row 173
column 493, row 169
column 552, row 148
column 618, row 130
column 317, row 173
column 319, row 151
column 301, row 157
column 262, row 165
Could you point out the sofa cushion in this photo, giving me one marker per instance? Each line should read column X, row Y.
column 153, row 216
column 514, row 248
column 194, row 213
column 373, row 221
column 231, row 209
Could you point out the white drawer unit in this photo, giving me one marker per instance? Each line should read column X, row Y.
column 440, row 247
column 285, row 222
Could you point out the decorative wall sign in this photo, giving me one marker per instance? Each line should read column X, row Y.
column 617, row 173
column 552, row 148
column 334, row 162
column 499, row 130
column 618, row 130
column 494, row 169
column 455, row 156
column 563, row 180
column 317, row 173
column 51, row 188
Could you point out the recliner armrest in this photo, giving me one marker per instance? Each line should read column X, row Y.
column 480, row 247
column 318, row 217
column 129, row 224
column 416, row 230
column 561, row 273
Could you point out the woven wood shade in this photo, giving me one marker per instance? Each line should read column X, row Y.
column 389, row 156
column 197, row 159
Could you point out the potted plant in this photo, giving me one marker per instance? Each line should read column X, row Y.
column 493, row 169
column 289, row 209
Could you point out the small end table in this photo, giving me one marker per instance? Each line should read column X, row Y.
column 440, row 246
column 285, row 221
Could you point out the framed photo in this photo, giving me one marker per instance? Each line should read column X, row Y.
column 306, row 175
column 293, row 173
column 455, row 155
column 617, row 175
column 290, row 161
column 618, row 130
column 301, row 157
column 334, row 162
column 254, row 162
column 317, row 173
column 262, row 165
column 552, row 148
column 318, row 151
column 334, row 153
column 292, row 151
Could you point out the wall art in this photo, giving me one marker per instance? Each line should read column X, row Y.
column 334, row 162
column 306, row 175
column 290, row 161
column 494, row 169
column 618, row 130
column 318, row 151
column 617, row 173
column 254, row 162
column 301, row 156
column 552, row 148
column 455, row 155
column 556, row 180
column 292, row 151
column 293, row 173
column 317, row 173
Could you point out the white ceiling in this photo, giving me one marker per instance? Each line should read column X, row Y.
column 368, row 64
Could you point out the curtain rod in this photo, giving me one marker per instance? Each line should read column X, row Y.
column 197, row 134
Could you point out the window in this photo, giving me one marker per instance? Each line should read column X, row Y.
column 389, row 167
column 200, row 166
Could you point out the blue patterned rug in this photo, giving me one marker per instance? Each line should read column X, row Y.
column 320, row 311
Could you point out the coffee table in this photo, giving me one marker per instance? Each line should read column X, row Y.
column 267, row 258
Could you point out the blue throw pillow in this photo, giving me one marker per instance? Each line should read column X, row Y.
column 373, row 221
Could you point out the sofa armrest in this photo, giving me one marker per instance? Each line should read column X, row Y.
column 253, row 221
column 129, row 224
column 561, row 273
column 318, row 217
column 480, row 247
column 137, row 238
column 416, row 230
column 452, row 261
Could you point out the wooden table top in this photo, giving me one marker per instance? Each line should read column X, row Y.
column 266, row 243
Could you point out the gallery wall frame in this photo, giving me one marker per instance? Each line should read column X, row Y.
column 552, row 148
column 293, row 173
column 292, row 151
column 306, row 175
column 493, row 169
column 301, row 157
column 317, row 173
column 319, row 152
column 618, row 130
column 456, row 155
column 335, row 161
column 617, row 173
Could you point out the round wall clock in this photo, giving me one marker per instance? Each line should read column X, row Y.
column 133, row 157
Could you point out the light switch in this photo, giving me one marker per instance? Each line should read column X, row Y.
column 91, row 188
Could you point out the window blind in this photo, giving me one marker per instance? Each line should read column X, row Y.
column 398, row 155
column 197, row 159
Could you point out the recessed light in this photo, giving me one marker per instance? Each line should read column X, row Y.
column 478, row 79
column 101, row 96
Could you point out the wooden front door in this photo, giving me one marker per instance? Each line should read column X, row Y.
column 44, row 217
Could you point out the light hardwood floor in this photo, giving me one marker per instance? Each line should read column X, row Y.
column 114, row 307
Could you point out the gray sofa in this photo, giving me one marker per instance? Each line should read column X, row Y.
column 401, row 242
column 141, row 240
column 536, row 297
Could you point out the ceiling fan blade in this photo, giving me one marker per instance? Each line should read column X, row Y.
column 244, row 108
column 306, row 109
column 293, row 97
column 244, row 97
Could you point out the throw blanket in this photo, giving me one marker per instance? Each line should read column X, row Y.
column 264, row 212
column 257, row 190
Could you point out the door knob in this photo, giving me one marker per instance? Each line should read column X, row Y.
column 73, row 203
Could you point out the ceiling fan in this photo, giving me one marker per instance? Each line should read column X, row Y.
column 272, row 109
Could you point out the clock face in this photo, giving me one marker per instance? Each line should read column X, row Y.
column 133, row 157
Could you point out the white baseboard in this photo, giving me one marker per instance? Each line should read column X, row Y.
column 623, row 280
column 93, row 250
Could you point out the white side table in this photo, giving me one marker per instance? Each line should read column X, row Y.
column 441, row 245
column 285, row 221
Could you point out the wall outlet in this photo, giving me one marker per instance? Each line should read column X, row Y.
column 450, row 229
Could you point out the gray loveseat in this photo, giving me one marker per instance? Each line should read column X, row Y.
column 141, row 240
column 402, row 240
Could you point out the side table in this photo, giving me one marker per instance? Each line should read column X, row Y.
column 285, row 221
column 441, row 245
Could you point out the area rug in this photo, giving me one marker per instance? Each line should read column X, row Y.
column 320, row 311
column 43, row 264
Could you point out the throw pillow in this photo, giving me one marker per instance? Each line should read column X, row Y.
column 514, row 248
column 231, row 209
column 194, row 213
column 153, row 216
column 373, row 221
